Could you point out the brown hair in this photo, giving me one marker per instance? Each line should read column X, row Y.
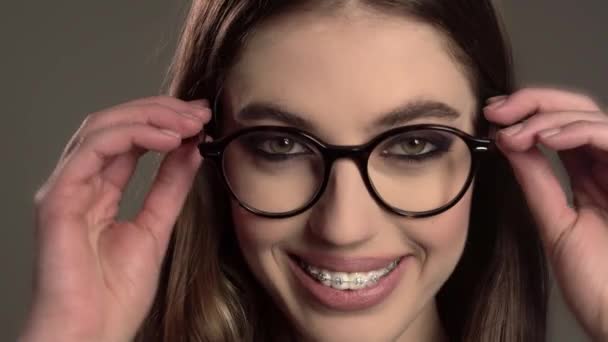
column 498, row 291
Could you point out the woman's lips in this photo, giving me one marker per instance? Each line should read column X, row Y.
column 342, row 264
column 349, row 300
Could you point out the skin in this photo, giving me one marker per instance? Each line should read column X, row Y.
column 95, row 276
column 575, row 234
column 334, row 72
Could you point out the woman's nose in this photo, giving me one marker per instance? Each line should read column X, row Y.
column 345, row 214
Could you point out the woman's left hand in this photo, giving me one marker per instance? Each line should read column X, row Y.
column 575, row 237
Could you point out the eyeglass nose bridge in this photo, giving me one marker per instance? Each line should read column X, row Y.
column 357, row 153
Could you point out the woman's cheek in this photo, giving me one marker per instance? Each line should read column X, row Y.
column 259, row 233
column 262, row 242
column 441, row 240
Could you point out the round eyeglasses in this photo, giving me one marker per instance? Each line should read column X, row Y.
column 413, row 171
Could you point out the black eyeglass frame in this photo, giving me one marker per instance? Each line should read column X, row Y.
column 360, row 154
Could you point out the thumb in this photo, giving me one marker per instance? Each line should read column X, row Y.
column 168, row 192
column 543, row 192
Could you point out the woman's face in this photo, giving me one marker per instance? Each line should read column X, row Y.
column 342, row 74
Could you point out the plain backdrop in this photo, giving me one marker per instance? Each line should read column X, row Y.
column 63, row 59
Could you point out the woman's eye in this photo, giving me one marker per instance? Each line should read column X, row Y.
column 411, row 147
column 281, row 145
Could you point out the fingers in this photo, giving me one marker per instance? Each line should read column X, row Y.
column 523, row 103
column 108, row 145
column 101, row 146
column 562, row 121
column 576, row 134
column 524, row 135
column 166, row 112
column 184, row 118
column 170, row 101
column 563, row 132
column 168, row 192
column 585, row 174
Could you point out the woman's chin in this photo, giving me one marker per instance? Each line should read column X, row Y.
column 375, row 313
column 363, row 329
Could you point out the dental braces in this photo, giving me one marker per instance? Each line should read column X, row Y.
column 358, row 281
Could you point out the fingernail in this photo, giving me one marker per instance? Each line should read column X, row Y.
column 203, row 113
column 201, row 103
column 171, row 133
column 549, row 132
column 512, row 130
column 497, row 103
column 191, row 116
column 493, row 99
column 194, row 115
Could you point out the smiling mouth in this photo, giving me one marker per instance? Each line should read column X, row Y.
column 347, row 281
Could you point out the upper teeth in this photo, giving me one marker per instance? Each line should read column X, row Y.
column 348, row 281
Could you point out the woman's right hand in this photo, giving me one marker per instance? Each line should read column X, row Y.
column 96, row 277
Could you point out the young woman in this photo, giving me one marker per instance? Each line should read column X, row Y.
column 348, row 184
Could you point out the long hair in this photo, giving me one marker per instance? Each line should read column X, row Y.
column 498, row 291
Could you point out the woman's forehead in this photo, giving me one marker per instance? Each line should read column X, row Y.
column 341, row 71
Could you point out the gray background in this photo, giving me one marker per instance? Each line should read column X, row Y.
column 61, row 60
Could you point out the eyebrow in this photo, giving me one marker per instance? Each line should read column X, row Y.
column 411, row 111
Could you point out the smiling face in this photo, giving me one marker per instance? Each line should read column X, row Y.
column 338, row 76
